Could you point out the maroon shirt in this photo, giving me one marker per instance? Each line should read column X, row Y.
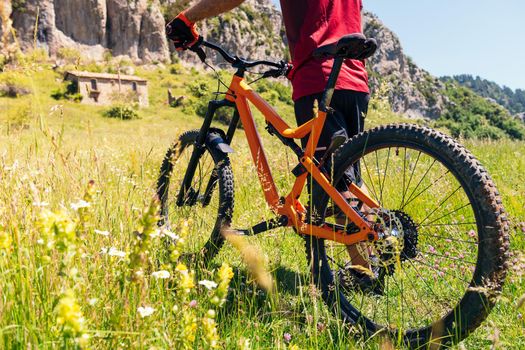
column 313, row 23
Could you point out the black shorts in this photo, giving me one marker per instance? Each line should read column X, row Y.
column 350, row 112
column 350, row 109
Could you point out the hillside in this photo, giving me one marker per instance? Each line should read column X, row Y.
column 100, row 29
column 512, row 100
column 51, row 149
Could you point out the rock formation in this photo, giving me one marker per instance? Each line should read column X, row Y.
column 7, row 42
column 134, row 28
column 255, row 30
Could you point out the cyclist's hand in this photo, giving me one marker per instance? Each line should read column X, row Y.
column 182, row 32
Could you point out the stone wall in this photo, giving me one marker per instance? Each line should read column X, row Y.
column 108, row 91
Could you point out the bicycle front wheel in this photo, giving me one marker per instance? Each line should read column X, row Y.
column 207, row 205
column 441, row 263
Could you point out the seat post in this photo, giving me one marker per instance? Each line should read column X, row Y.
column 330, row 85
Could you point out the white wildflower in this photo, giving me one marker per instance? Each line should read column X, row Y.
column 92, row 301
column 116, row 252
column 102, row 233
column 145, row 311
column 40, row 204
column 113, row 252
column 80, row 204
column 155, row 233
column 171, row 235
column 13, row 167
column 162, row 274
column 208, row 284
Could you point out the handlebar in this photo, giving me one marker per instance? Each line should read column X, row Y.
column 282, row 67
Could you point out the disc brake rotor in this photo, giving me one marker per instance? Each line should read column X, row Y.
column 397, row 239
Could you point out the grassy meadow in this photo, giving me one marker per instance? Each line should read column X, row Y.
column 82, row 264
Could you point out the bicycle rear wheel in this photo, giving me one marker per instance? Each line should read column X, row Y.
column 442, row 261
column 207, row 214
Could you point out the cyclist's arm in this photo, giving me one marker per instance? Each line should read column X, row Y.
column 210, row 8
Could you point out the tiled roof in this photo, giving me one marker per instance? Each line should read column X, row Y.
column 107, row 76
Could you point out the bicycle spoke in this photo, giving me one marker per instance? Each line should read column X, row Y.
column 410, row 199
column 410, row 179
column 444, row 272
column 417, row 301
column 411, row 311
column 382, row 185
column 447, row 214
column 371, row 182
column 416, row 270
column 440, row 204
column 450, row 224
column 404, row 178
column 452, row 239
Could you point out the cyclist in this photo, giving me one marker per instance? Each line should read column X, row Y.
column 309, row 25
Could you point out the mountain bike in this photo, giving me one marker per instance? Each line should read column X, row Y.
column 423, row 210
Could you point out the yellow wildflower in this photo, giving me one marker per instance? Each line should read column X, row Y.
column 57, row 229
column 190, row 327
column 210, row 331
column 70, row 319
column 5, row 239
column 224, row 276
column 225, row 273
column 181, row 268
column 187, row 282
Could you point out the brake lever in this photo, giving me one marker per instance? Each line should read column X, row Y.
column 198, row 49
column 278, row 72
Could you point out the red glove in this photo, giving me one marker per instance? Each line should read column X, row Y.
column 182, row 32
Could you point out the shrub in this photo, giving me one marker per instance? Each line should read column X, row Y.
column 471, row 116
column 124, row 112
column 199, row 88
column 274, row 91
column 14, row 84
column 3, row 62
column 69, row 92
column 173, row 8
column 198, row 103
column 18, row 117
column 18, row 5
column 68, row 54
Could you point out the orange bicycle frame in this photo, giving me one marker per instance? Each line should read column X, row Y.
column 289, row 206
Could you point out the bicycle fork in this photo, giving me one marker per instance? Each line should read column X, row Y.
column 187, row 195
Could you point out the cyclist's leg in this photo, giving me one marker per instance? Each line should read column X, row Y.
column 304, row 111
column 350, row 110
column 352, row 107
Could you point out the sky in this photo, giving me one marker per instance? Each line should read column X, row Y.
column 448, row 37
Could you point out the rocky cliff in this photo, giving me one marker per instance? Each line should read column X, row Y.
column 254, row 30
column 134, row 28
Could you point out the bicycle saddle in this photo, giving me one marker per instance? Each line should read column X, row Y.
column 352, row 46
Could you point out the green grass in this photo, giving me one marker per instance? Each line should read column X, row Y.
column 49, row 152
